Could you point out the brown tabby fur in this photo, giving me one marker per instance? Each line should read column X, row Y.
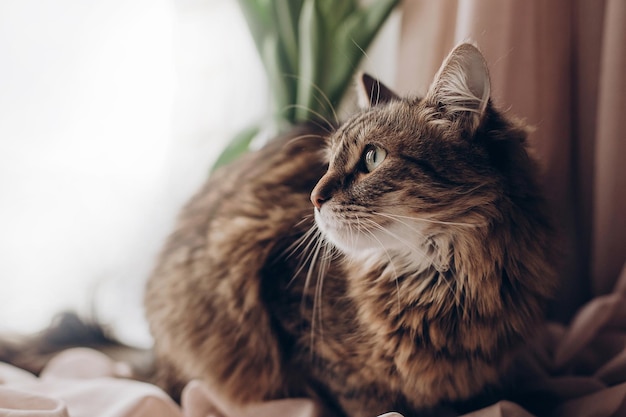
column 418, row 284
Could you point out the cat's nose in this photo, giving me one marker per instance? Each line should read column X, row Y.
column 317, row 198
column 323, row 191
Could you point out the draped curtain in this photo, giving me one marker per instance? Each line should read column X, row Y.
column 560, row 66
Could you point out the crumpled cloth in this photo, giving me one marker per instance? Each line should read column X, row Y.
column 568, row 371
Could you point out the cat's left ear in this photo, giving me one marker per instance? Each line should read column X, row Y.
column 372, row 92
column 461, row 88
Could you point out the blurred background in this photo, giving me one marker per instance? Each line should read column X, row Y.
column 111, row 115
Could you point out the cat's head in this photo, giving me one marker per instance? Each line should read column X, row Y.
column 406, row 171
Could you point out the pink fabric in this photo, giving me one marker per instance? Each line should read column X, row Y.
column 80, row 383
column 581, row 368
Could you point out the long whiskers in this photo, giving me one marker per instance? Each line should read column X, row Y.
column 401, row 240
column 422, row 219
column 307, row 283
column 326, row 102
column 297, row 244
column 312, row 238
column 307, row 136
column 321, row 117
column 391, row 263
column 317, row 298
column 315, row 254
column 321, row 246
column 409, row 226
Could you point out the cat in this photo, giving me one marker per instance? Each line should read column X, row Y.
column 395, row 262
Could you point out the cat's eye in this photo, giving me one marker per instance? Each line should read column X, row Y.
column 373, row 157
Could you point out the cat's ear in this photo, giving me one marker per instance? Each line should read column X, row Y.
column 372, row 92
column 461, row 87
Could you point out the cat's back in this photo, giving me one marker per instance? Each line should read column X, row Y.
column 207, row 276
column 263, row 191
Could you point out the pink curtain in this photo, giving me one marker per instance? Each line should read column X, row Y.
column 561, row 66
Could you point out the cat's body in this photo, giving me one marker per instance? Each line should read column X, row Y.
column 436, row 266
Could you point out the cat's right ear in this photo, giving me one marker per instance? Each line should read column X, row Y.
column 372, row 92
column 461, row 88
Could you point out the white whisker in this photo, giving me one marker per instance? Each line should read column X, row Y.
column 411, row 227
column 321, row 93
column 313, row 241
column 397, row 216
column 319, row 286
column 297, row 244
column 399, row 239
column 391, row 263
column 313, row 112
column 308, row 136
column 307, row 282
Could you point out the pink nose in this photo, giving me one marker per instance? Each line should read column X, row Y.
column 323, row 191
column 317, row 198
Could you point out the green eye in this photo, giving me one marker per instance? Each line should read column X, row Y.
column 373, row 157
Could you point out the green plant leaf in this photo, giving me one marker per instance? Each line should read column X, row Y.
column 237, row 146
column 259, row 18
column 283, row 88
column 311, row 41
column 370, row 21
column 335, row 12
column 352, row 38
column 286, row 14
column 310, row 50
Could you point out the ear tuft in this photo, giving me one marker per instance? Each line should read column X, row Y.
column 373, row 92
column 462, row 85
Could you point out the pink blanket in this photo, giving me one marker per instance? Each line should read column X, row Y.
column 581, row 369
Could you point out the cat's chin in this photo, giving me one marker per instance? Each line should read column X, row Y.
column 349, row 242
column 356, row 244
column 330, row 235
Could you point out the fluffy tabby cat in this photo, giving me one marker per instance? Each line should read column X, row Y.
column 396, row 263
